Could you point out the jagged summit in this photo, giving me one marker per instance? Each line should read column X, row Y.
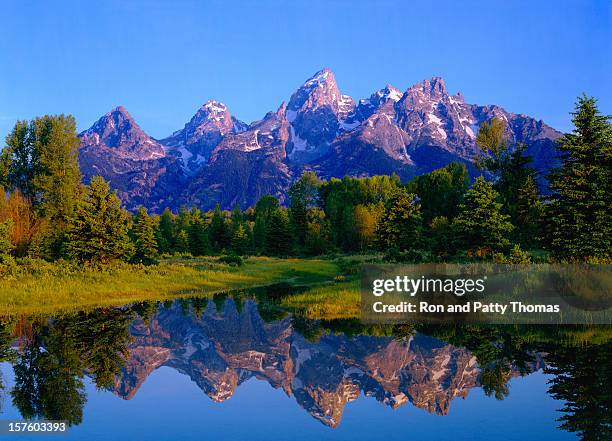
column 193, row 144
column 118, row 130
column 215, row 158
column 434, row 87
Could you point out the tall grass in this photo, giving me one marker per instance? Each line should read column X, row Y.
column 37, row 286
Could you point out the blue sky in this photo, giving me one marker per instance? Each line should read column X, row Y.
column 162, row 60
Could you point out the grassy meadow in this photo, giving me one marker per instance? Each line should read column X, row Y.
column 47, row 287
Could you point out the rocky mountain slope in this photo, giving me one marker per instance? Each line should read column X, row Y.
column 136, row 165
column 216, row 158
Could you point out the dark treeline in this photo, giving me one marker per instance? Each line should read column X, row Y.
column 438, row 216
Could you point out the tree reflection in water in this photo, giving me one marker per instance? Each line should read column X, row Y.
column 222, row 341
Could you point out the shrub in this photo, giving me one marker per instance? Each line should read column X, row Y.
column 231, row 259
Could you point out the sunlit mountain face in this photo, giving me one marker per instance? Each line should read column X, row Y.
column 55, row 366
column 218, row 159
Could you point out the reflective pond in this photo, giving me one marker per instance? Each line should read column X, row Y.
column 236, row 368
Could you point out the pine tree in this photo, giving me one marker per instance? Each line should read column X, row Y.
column 98, row 228
column 480, row 226
column 529, row 212
column 182, row 242
column 218, row 231
column 303, row 196
column 240, row 241
column 198, row 236
column 515, row 171
column 263, row 212
column 400, row 226
column 144, row 238
column 579, row 212
column 278, row 236
column 165, row 232
column 237, row 217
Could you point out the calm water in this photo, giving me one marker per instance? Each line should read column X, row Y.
column 217, row 370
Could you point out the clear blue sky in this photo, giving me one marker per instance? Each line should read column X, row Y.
column 162, row 60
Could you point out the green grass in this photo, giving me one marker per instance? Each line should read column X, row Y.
column 45, row 287
column 339, row 300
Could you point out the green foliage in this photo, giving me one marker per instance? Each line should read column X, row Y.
column 231, row 259
column 441, row 191
column 303, row 196
column 144, row 238
column 400, row 226
column 529, row 214
column 480, row 227
column 263, row 213
column 440, row 235
column 219, row 234
column 197, row 239
column 339, row 197
column 318, row 233
column 6, row 245
column 492, row 142
column 278, row 235
column 41, row 158
column 98, row 229
column 182, row 242
column 516, row 257
column 240, row 241
column 165, row 234
column 579, row 211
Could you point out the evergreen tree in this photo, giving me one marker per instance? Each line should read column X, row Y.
column 263, row 212
column 240, row 241
column 480, row 225
column 529, row 213
column 144, row 238
column 514, row 172
column 278, row 236
column 165, row 232
column 198, row 236
column 182, row 242
column 440, row 236
column 218, row 231
column 237, row 217
column 400, row 226
column 579, row 212
column 303, row 196
column 98, row 229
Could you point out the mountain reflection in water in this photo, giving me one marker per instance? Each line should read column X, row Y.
column 322, row 366
column 219, row 351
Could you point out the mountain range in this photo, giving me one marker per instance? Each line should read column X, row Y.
column 217, row 159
